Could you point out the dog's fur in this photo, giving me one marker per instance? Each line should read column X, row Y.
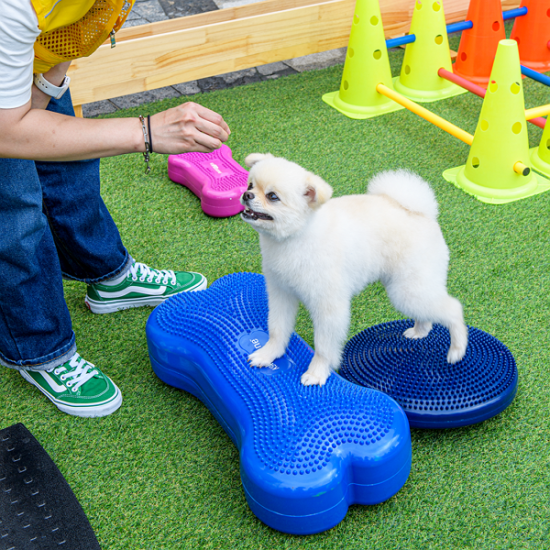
column 322, row 251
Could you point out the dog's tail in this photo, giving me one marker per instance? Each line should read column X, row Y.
column 406, row 188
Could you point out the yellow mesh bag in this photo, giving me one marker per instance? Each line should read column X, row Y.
column 82, row 38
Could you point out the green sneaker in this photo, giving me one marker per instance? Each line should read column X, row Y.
column 142, row 286
column 77, row 387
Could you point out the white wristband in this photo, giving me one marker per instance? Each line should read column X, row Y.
column 48, row 88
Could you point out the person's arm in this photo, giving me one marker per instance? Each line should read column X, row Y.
column 31, row 132
column 37, row 134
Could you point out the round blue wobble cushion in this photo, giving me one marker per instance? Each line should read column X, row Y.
column 306, row 453
column 433, row 393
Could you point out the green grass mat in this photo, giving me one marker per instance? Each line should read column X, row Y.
column 161, row 473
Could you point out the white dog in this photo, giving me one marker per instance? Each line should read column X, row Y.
column 322, row 251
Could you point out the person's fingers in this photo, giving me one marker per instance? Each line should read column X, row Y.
column 211, row 129
column 188, row 127
column 210, row 116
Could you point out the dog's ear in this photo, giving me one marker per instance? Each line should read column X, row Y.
column 318, row 191
column 253, row 158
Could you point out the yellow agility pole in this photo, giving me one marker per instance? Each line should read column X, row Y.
column 425, row 114
column 535, row 112
column 436, row 120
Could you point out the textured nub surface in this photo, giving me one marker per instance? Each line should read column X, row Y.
column 296, row 428
column 416, row 373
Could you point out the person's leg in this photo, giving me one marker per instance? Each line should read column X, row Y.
column 35, row 326
column 36, row 335
column 88, row 241
column 89, row 244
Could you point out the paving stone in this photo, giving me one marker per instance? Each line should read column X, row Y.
column 135, row 22
column 182, row 8
column 133, row 100
column 98, row 108
column 271, row 68
column 233, row 77
column 187, row 88
column 151, row 11
column 286, row 72
column 318, row 60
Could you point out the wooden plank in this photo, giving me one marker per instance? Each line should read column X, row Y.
column 180, row 50
column 209, row 18
column 170, row 58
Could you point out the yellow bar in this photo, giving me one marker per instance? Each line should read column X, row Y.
column 535, row 112
column 427, row 115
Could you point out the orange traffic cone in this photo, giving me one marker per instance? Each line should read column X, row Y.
column 532, row 33
column 478, row 45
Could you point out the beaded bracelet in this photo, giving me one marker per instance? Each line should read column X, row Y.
column 147, row 138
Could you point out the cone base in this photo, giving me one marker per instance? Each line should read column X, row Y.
column 425, row 96
column 360, row 112
column 537, row 163
column 536, row 184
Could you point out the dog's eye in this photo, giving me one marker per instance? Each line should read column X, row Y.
column 272, row 197
column 250, row 186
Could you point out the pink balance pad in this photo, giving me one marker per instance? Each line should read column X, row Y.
column 214, row 177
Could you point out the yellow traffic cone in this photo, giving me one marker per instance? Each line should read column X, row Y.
column 497, row 170
column 424, row 57
column 540, row 156
column 367, row 65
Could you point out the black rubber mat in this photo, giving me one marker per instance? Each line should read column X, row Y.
column 38, row 509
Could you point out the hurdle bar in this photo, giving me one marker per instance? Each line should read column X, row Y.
column 479, row 91
column 454, row 27
column 443, row 124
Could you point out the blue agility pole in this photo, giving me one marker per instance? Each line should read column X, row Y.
column 454, row 27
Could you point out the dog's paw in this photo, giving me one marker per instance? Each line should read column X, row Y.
column 263, row 357
column 419, row 330
column 315, row 377
column 455, row 355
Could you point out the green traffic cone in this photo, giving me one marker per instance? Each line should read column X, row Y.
column 419, row 79
column 497, row 170
column 367, row 64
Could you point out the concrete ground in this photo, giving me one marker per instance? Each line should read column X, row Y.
column 149, row 11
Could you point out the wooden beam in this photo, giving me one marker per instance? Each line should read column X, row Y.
column 180, row 50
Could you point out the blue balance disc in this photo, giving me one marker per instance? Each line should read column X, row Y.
column 306, row 452
column 416, row 374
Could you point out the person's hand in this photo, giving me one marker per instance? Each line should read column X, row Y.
column 188, row 127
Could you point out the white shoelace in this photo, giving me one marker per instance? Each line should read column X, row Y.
column 82, row 372
column 147, row 273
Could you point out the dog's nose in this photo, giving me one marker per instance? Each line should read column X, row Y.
column 248, row 196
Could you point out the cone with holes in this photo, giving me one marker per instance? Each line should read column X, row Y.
column 497, row 170
column 540, row 156
column 478, row 45
column 532, row 33
column 367, row 64
column 419, row 80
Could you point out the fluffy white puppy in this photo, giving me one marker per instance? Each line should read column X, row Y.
column 322, row 251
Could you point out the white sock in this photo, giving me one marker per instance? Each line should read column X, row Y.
column 115, row 281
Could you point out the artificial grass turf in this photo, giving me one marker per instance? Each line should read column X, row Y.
column 161, row 474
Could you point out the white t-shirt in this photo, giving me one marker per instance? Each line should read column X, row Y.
column 18, row 33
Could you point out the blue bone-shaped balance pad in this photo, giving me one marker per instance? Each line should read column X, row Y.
column 306, row 453
column 416, row 374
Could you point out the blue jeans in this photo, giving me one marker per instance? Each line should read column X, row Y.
column 53, row 224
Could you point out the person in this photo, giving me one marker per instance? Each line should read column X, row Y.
column 54, row 222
